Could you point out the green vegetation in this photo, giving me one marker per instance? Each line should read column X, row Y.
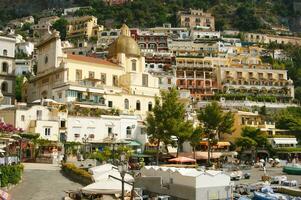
column 237, row 14
column 289, row 119
column 215, row 123
column 11, row 174
column 168, row 119
column 289, row 150
column 61, row 26
column 76, row 174
column 18, row 88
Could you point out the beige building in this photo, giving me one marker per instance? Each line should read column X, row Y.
column 197, row 75
column 120, row 83
column 197, row 18
column 267, row 38
column 43, row 26
column 7, row 70
column 256, row 79
column 83, row 27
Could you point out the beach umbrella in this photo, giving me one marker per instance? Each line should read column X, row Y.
column 182, row 160
column 4, row 195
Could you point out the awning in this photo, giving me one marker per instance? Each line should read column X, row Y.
column 285, row 140
column 149, row 144
column 134, row 143
column 219, row 144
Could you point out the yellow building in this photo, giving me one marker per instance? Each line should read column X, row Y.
column 83, row 27
column 119, row 83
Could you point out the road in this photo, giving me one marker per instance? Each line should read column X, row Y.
column 42, row 182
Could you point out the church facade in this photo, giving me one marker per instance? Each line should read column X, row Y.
column 119, row 82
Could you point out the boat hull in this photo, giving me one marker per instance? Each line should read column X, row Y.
column 292, row 170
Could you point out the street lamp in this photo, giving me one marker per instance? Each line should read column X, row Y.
column 113, row 142
column 85, row 140
column 122, row 168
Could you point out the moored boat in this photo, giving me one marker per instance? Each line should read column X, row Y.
column 269, row 196
column 292, row 169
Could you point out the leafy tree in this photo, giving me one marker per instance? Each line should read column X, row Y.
column 61, row 26
column 215, row 122
column 245, row 19
column 195, row 139
column 168, row 119
column 252, row 138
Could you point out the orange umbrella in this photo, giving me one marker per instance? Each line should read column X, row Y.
column 182, row 160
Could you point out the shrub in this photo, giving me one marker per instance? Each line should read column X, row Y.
column 11, row 174
column 77, row 174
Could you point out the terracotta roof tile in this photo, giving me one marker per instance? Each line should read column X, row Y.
column 88, row 59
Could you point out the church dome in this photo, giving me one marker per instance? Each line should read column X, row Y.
column 124, row 44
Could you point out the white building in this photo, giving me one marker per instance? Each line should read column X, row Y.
column 25, row 47
column 7, row 64
column 205, row 35
column 36, row 119
column 23, row 66
column 184, row 183
column 101, row 129
column 283, row 142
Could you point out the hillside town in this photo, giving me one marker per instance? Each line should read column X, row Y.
column 167, row 112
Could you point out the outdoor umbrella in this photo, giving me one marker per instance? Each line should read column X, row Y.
column 182, row 160
column 4, row 195
column 106, row 186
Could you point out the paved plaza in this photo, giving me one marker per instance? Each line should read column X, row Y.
column 42, row 182
column 257, row 173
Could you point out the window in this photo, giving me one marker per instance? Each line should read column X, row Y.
column 4, row 52
column 4, row 87
column 115, row 80
column 110, row 104
column 138, row 105
column 150, row 106
column 47, row 131
column 152, row 46
column 39, row 115
column 91, row 75
column 126, row 104
column 76, row 135
column 103, row 78
column 110, row 130
column 5, row 67
column 78, row 74
column 46, row 59
column 145, row 80
column 63, row 124
column 169, row 81
column 22, row 118
column 160, row 80
column 128, row 132
column 134, row 65
column 57, row 76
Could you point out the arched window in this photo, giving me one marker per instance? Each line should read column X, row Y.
column 128, row 132
column 150, row 106
column 134, row 65
column 126, row 104
column 138, row 105
column 4, row 87
column 4, row 52
column 5, row 67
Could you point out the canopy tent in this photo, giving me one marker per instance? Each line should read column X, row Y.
column 115, row 173
column 101, row 169
column 182, row 160
column 106, row 186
